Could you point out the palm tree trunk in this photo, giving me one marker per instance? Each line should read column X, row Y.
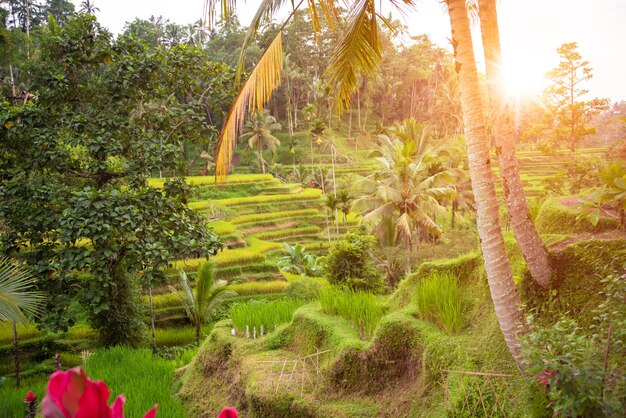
column 152, row 320
column 530, row 242
column 16, row 356
column 198, row 327
column 503, row 291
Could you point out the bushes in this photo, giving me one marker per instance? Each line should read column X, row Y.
column 364, row 310
column 306, row 289
column 143, row 378
column 438, row 299
column 268, row 314
column 350, row 264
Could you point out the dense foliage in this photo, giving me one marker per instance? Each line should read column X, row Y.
column 74, row 191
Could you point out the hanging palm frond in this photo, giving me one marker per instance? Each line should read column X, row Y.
column 16, row 298
column 358, row 52
column 254, row 94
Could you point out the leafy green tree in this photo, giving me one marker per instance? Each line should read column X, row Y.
column 74, row 188
column 205, row 298
column 565, row 98
column 259, row 135
column 350, row 263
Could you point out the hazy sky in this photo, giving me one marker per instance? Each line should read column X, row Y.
column 531, row 30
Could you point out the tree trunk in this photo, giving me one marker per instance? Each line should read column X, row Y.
column 502, row 287
column 198, row 327
column 152, row 320
column 530, row 242
column 16, row 356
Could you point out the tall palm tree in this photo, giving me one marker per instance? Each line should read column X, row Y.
column 531, row 245
column 259, row 136
column 404, row 188
column 207, row 296
column 503, row 291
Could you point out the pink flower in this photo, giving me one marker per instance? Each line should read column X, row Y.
column 30, row 397
column 228, row 412
column 71, row 394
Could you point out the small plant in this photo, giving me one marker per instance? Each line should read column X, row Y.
column 205, row 298
column 298, row 261
column 438, row 299
column 362, row 309
column 256, row 314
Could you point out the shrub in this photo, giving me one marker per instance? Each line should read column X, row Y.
column 350, row 264
column 583, row 372
column 298, row 261
column 269, row 314
column 363, row 310
column 438, row 299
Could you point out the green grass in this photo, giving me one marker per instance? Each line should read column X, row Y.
column 11, row 404
column 257, row 313
column 222, row 227
column 363, row 310
column 307, row 194
column 143, row 378
column 261, row 217
column 287, row 232
column 204, row 180
column 172, row 337
column 253, row 253
column 259, row 288
column 438, row 299
column 23, row 332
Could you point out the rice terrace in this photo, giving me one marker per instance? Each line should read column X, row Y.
column 312, row 209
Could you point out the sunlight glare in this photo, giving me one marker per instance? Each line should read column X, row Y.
column 521, row 81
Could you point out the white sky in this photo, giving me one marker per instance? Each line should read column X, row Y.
column 530, row 30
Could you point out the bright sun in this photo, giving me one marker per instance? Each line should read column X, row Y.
column 522, row 81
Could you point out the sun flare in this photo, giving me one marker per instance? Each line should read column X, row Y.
column 522, row 81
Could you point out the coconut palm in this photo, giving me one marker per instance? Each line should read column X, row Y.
column 530, row 243
column 259, row 136
column 88, row 7
column 205, row 298
column 17, row 301
column 405, row 188
column 503, row 291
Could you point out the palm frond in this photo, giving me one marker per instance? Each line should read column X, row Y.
column 16, row 298
column 266, row 10
column 227, row 9
column 357, row 52
column 254, row 94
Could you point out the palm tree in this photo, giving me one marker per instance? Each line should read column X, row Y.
column 88, row 7
column 207, row 296
column 405, row 188
column 503, row 291
column 259, row 136
column 531, row 245
column 17, row 301
column 345, row 202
